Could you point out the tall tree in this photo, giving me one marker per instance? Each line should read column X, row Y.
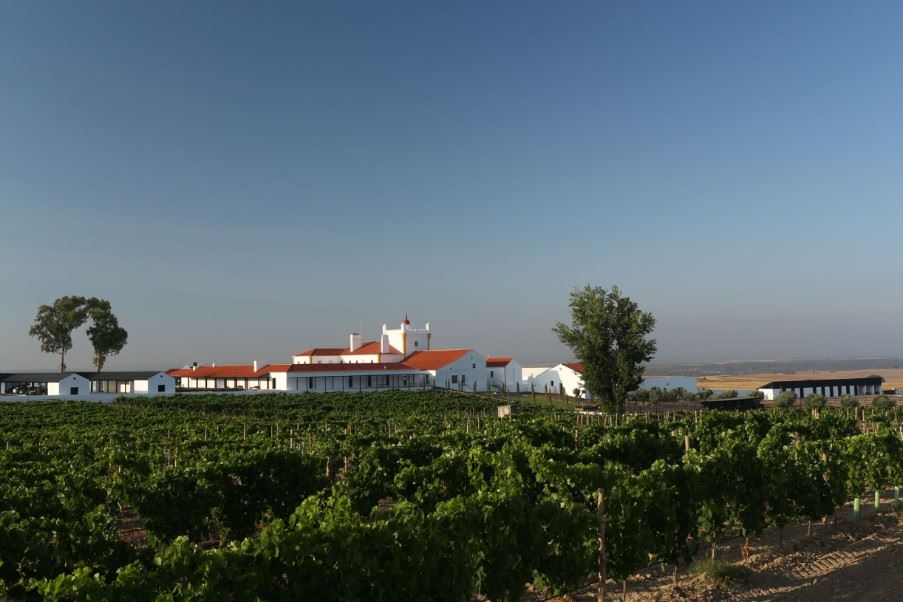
column 54, row 324
column 107, row 337
column 609, row 335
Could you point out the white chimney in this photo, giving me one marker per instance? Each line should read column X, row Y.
column 355, row 341
column 384, row 343
column 255, row 365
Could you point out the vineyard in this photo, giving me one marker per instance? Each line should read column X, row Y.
column 401, row 496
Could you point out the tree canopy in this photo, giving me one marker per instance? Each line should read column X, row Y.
column 54, row 324
column 107, row 336
column 609, row 335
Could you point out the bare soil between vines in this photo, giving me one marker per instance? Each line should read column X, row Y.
column 856, row 560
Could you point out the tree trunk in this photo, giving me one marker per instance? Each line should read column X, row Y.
column 62, row 361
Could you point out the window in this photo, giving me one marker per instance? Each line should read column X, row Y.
column 387, row 380
column 551, row 383
column 310, row 382
column 454, row 379
column 416, row 343
column 369, row 381
column 491, row 374
column 350, row 381
column 474, row 366
column 274, row 383
column 73, row 390
column 463, row 379
column 161, row 388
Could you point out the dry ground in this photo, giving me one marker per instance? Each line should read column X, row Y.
column 856, row 560
column 893, row 378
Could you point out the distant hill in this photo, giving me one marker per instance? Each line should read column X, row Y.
column 770, row 366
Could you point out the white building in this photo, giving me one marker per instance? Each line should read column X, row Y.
column 505, row 373
column 392, row 346
column 241, row 377
column 463, row 369
column 566, row 375
column 67, row 384
column 401, row 359
column 126, row 383
column 87, row 385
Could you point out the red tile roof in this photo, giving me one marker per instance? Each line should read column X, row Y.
column 225, row 371
column 435, row 359
column 498, row 362
column 323, row 351
column 370, row 348
column 367, row 348
column 381, row 367
column 575, row 366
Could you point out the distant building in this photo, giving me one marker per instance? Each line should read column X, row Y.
column 402, row 358
column 87, row 384
column 831, row 387
column 504, row 372
column 569, row 375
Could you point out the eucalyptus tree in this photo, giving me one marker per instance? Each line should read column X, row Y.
column 54, row 324
column 106, row 335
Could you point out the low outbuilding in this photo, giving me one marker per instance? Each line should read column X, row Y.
column 828, row 387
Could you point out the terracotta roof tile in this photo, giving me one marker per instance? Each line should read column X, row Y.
column 357, row 368
column 225, row 371
column 435, row 359
column 498, row 362
column 323, row 351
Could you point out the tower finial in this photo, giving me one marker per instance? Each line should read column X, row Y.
column 406, row 321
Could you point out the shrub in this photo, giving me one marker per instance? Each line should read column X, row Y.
column 884, row 402
column 849, row 402
column 729, row 394
column 786, row 399
column 721, row 573
column 816, row 401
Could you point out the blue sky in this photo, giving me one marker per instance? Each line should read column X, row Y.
column 245, row 180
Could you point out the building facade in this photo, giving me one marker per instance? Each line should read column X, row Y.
column 402, row 358
column 832, row 387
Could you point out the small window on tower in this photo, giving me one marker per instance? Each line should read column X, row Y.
column 416, row 343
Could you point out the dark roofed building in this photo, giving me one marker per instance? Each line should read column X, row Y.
column 85, row 383
column 829, row 387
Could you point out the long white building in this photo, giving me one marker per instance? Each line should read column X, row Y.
column 87, row 385
column 402, row 358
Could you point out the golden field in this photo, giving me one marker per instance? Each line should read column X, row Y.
column 893, row 378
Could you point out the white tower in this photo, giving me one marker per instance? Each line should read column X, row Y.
column 406, row 339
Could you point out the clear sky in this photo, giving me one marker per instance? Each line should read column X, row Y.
column 245, row 180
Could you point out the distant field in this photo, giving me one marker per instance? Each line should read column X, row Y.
column 893, row 378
